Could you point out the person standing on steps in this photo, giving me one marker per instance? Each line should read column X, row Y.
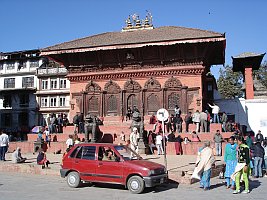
column 215, row 112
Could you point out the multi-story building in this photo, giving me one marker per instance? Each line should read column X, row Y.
column 18, row 83
column 53, row 93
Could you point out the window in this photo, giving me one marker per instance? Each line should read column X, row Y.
column 87, row 153
column 44, row 84
column 34, row 64
column 62, row 101
column 112, row 104
column 10, row 65
column 44, row 102
column 9, row 83
column 63, row 83
column 7, row 101
column 24, row 100
column 72, row 155
column 27, row 81
column 53, row 83
column 53, row 101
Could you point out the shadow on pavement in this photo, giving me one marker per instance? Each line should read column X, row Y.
column 217, row 185
column 253, row 184
column 161, row 188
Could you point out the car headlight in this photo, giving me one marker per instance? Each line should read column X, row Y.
column 151, row 172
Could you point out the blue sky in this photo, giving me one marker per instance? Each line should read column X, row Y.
column 30, row 24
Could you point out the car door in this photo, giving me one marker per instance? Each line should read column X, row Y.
column 85, row 162
column 109, row 170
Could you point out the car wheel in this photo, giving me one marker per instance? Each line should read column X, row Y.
column 73, row 179
column 136, row 184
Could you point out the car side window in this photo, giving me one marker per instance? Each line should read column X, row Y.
column 87, row 153
column 73, row 153
column 106, row 154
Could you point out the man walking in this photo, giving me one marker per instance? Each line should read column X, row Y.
column 134, row 136
column 218, row 143
column 4, row 142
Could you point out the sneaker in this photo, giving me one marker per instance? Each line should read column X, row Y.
column 245, row 192
column 265, row 176
column 236, row 192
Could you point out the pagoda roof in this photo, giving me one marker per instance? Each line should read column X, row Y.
column 165, row 35
column 247, row 59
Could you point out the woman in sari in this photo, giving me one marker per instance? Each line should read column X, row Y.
column 231, row 160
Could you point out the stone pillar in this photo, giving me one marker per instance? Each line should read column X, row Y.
column 184, row 105
column 249, row 83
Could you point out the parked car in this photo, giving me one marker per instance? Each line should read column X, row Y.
column 108, row 163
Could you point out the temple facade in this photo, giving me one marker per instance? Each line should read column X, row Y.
column 141, row 66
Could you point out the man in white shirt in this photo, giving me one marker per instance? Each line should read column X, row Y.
column 215, row 112
column 159, row 144
column 69, row 142
column 134, row 139
column 4, row 142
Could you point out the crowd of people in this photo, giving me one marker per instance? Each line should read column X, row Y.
column 242, row 158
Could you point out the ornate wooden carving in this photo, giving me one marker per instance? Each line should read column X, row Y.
column 112, row 87
column 112, row 104
column 139, row 74
column 92, row 87
column 173, row 100
column 93, row 105
column 173, row 83
column 153, row 103
column 152, row 85
column 132, row 86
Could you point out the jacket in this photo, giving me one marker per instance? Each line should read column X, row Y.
column 243, row 154
column 258, row 150
column 218, row 138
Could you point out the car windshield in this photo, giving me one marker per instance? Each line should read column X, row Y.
column 127, row 153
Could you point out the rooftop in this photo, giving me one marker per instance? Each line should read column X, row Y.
column 160, row 34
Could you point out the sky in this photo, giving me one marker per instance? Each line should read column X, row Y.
column 31, row 24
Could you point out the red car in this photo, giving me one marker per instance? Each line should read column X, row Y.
column 108, row 163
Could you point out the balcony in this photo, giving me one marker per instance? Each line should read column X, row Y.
column 51, row 71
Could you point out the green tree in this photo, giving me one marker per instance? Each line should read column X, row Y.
column 230, row 83
column 262, row 73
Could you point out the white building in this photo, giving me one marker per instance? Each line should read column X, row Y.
column 18, row 83
column 53, row 91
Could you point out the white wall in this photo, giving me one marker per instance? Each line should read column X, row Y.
column 252, row 113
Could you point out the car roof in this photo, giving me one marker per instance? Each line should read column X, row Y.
column 97, row 144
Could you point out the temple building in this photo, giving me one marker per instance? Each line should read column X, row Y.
column 140, row 66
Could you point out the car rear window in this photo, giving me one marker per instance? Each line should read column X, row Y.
column 87, row 153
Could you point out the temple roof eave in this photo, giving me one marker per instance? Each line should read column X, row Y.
column 125, row 46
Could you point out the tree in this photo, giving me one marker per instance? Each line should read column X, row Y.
column 230, row 83
column 261, row 74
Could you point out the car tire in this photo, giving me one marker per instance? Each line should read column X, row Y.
column 135, row 184
column 73, row 179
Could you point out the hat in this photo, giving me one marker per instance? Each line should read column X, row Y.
column 134, row 129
